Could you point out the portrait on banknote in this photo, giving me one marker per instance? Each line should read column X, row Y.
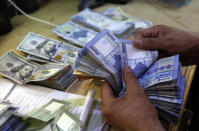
column 15, row 68
column 19, row 73
column 45, row 48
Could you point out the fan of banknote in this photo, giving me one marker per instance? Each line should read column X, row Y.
column 105, row 55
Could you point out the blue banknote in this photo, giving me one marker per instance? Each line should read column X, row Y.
column 138, row 60
column 75, row 33
column 99, row 21
column 104, row 48
column 163, row 70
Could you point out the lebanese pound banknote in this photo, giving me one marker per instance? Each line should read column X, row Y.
column 138, row 60
column 58, row 111
column 104, row 48
column 47, row 48
column 163, row 70
column 98, row 21
column 75, row 33
column 119, row 15
column 47, row 111
column 22, row 70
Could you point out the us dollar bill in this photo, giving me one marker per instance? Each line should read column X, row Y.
column 47, row 48
column 22, row 70
column 75, row 33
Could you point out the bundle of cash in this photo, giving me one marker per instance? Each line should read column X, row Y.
column 22, row 70
column 84, row 26
column 56, row 113
column 10, row 120
column 75, row 33
column 119, row 15
column 105, row 56
column 48, row 49
column 99, row 21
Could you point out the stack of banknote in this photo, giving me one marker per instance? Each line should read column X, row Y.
column 53, row 116
column 56, row 113
column 105, row 56
column 85, row 25
column 53, row 67
column 6, row 117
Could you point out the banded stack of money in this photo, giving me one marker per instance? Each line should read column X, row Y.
column 119, row 15
column 99, row 21
column 22, row 70
column 75, row 33
column 84, row 26
column 105, row 56
column 41, row 48
column 10, row 120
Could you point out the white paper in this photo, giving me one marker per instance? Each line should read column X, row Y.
column 5, row 87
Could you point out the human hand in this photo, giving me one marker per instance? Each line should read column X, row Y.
column 132, row 112
column 170, row 41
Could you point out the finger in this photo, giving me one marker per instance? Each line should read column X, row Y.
column 153, row 32
column 130, row 79
column 106, row 94
column 149, row 43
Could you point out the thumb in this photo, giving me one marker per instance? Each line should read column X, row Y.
column 130, row 80
column 107, row 94
column 148, row 43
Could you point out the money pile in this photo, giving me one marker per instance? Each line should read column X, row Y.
column 42, row 48
column 85, row 25
column 22, row 70
column 55, row 112
column 119, row 15
column 57, row 115
column 105, row 56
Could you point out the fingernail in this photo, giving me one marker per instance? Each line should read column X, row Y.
column 138, row 42
column 127, row 69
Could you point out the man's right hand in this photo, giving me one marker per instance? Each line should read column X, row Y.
column 170, row 41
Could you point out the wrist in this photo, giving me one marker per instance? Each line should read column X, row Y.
column 195, row 41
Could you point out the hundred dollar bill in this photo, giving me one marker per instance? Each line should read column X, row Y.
column 119, row 15
column 104, row 49
column 22, row 70
column 99, row 21
column 47, row 48
column 75, row 33
column 138, row 60
column 163, row 70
